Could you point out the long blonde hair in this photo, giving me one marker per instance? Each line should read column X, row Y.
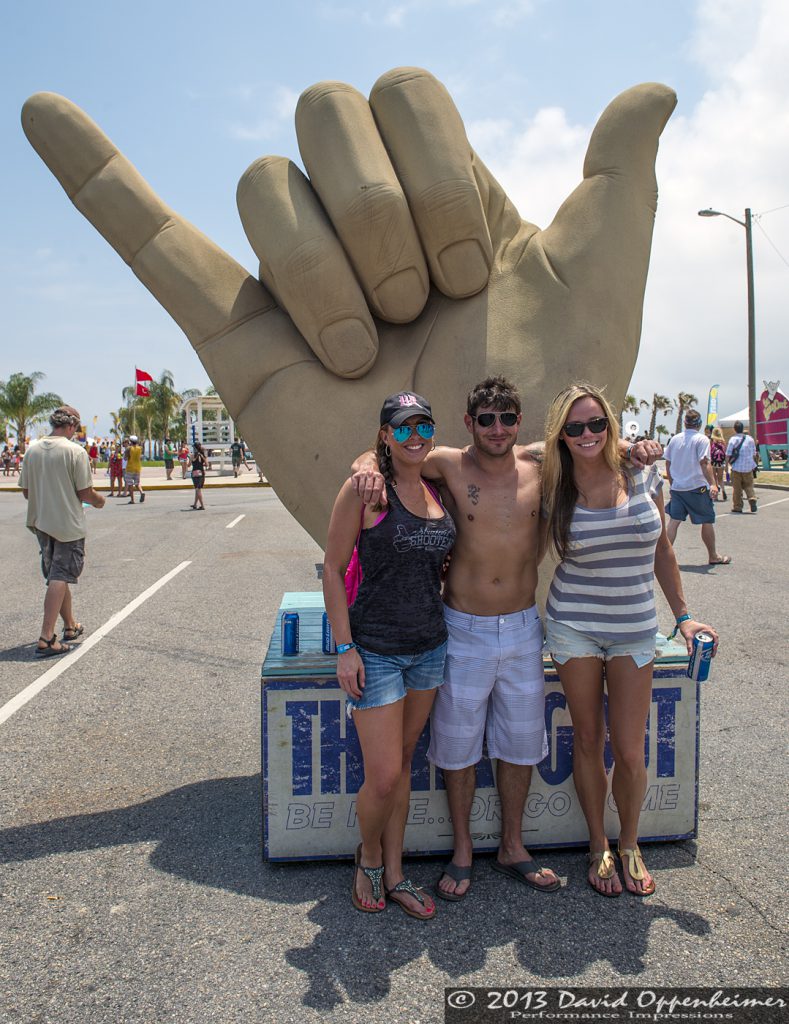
column 559, row 491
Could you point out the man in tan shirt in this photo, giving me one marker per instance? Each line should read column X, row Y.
column 56, row 480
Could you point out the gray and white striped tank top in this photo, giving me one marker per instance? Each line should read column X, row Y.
column 605, row 585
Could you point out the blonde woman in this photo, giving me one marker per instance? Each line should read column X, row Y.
column 605, row 521
column 718, row 458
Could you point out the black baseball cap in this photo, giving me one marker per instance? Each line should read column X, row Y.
column 400, row 407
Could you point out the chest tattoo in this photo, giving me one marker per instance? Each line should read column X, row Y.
column 473, row 493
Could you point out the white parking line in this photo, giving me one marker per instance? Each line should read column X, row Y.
column 68, row 660
column 236, row 520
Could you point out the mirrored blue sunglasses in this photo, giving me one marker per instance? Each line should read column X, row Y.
column 402, row 433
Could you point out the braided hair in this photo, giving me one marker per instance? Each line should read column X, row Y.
column 385, row 466
column 64, row 416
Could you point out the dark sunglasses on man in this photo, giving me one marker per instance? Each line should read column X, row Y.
column 487, row 419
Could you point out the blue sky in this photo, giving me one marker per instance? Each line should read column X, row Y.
column 193, row 92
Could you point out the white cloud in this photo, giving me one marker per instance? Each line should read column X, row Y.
column 729, row 151
column 278, row 105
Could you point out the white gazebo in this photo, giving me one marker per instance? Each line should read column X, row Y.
column 208, row 423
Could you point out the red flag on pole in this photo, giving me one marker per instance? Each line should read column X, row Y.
column 141, row 379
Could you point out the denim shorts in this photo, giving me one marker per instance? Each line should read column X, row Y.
column 388, row 676
column 696, row 504
column 565, row 642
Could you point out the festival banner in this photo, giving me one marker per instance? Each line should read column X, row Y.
column 772, row 415
column 712, row 406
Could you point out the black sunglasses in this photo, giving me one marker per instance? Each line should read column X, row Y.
column 597, row 426
column 487, row 419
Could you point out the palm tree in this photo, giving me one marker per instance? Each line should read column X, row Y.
column 660, row 404
column 632, row 405
column 166, row 401
column 661, row 430
column 129, row 395
column 21, row 406
column 684, row 401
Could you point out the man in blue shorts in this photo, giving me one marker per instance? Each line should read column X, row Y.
column 693, row 487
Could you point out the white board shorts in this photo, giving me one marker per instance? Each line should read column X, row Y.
column 494, row 688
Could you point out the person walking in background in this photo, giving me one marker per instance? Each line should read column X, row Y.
column 741, row 456
column 56, row 480
column 692, row 484
column 93, row 455
column 605, row 521
column 237, row 456
column 199, row 462
column 134, row 469
column 169, row 458
column 183, row 459
column 717, row 458
column 116, row 471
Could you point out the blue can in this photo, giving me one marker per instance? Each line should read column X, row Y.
column 328, row 645
column 289, row 627
column 701, row 658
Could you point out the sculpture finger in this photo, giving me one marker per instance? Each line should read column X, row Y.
column 602, row 233
column 304, row 265
column 350, row 170
column 427, row 143
column 222, row 309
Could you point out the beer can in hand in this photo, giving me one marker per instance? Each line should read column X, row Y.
column 701, row 658
column 328, row 645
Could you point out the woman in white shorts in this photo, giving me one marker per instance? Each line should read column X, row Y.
column 607, row 526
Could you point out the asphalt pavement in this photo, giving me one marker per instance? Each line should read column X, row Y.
column 132, row 887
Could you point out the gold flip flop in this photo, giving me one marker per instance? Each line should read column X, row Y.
column 636, row 869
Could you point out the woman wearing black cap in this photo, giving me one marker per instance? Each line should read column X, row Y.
column 391, row 641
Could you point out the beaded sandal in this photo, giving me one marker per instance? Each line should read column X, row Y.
column 408, row 886
column 375, row 875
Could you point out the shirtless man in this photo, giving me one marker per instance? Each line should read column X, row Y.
column 494, row 683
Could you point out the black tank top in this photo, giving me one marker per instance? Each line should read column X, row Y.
column 398, row 608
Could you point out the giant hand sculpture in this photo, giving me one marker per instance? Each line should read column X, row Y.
column 400, row 263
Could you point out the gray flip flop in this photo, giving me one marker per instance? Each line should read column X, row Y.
column 521, row 869
column 457, row 874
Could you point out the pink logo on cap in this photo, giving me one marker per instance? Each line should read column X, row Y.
column 408, row 400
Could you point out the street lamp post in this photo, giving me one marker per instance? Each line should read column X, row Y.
column 751, row 310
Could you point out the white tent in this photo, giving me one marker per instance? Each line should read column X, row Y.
column 729, row 421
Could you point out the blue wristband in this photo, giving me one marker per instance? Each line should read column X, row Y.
column 680, row 620
column 342, row 648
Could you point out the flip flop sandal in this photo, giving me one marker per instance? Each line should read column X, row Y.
column 521, row 869
column 375, row 875
column 408, row 886
column 72, row 633
column 635, row 867
column 723, row 560
column 606, row 869
column 49, row 651
column 457, row 874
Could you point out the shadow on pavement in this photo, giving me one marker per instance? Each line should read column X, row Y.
column 208, row 833
column 25, row 652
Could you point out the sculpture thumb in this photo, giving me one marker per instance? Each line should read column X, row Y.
column 602, row 233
